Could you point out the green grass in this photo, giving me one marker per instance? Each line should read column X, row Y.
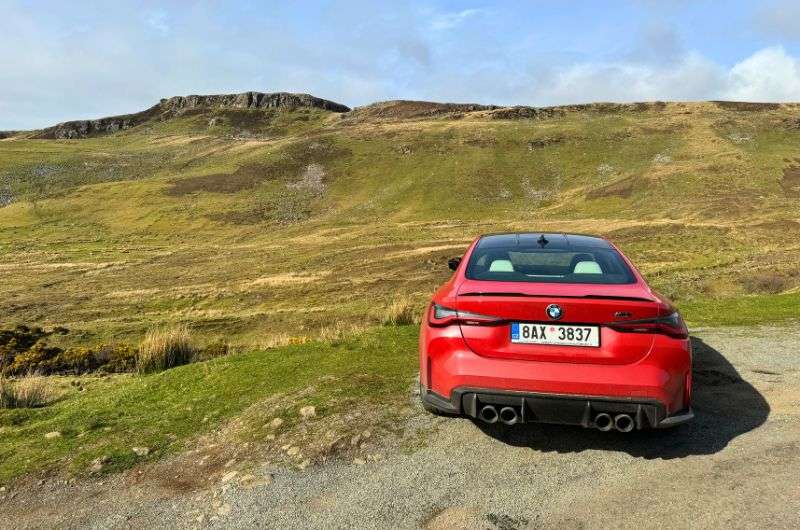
column 743, row 310
column 165, row 411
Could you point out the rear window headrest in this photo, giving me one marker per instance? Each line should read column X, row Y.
column 501, row 265
column 587, row 267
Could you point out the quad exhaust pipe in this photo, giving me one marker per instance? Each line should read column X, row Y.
column 489, row 414
column 603, row 422
column 624, row 422
column 507, row 415
column 621, row 422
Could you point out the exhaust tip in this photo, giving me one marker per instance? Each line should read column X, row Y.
column 508, row 415
column 603, row 422
column 624, row 423
column 488, row 414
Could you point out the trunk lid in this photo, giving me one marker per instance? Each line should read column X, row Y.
column 585, row 304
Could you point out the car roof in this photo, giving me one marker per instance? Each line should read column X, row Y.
column 552, row 241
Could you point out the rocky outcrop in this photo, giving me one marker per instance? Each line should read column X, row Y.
column 423, row 110
column 252, row 100
column 746, row 106
column 87, row 128
column 410, row 110
column 171, row 107
column 542, row 113
column 526, row 113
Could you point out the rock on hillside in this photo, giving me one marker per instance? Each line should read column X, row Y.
column 87, row 128
column 174, row 106
column 252, row 100
column 421, row 110
column 405, row 110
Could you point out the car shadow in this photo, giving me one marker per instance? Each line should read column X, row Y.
column 725, row 406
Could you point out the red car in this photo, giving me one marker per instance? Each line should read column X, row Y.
column 554, row 328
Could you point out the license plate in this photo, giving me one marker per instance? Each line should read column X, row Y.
column 555, row 334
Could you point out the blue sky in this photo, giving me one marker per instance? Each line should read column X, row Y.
column 72, row 60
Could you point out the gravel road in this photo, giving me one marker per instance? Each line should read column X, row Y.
column 735, row 466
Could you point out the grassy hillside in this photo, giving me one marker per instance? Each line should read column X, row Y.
column 272, row 227
column 261, row 225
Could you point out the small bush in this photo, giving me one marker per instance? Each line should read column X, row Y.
column 26, row 392
column 25, row 350
column 36, row 358
column 165, row 348
column 48, row 360
column 20, row 340
column 109, row 358
column 401, row 312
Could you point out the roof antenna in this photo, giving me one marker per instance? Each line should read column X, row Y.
column 542, row 241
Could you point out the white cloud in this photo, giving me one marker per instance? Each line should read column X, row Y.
column 444, row 21
column 690, row 78
column 770, row 74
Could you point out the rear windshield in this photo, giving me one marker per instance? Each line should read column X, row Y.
column 518, row 264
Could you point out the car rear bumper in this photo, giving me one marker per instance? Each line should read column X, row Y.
column 555, row 408
column 655, row 390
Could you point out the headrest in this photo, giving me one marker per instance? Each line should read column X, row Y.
column 587, row 267
column 501, row 265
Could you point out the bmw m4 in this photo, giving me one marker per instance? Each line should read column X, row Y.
column 554, row 328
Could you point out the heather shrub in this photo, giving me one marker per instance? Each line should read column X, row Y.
column 109, row 358
column 20, row 340
column 48, row 360
column 36, row 359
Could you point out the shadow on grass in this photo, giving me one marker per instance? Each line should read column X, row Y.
column 725, row 406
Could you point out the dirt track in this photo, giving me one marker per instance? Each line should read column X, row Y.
column 736, row 465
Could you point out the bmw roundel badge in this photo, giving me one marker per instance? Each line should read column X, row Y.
column 554, row 311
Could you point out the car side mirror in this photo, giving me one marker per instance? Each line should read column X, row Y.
column 453, row 263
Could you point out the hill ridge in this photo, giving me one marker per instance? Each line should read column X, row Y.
column 170, row 107
column 388, row 110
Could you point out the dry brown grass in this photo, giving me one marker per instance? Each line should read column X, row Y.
column 766, row 282
column 339, row 330
column 164, row 348
column 25, row 392
column 401, row 312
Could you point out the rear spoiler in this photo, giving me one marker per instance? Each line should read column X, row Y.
column 584, row 297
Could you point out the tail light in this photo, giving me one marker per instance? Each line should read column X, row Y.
column 444, row 316
column 672, row 326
